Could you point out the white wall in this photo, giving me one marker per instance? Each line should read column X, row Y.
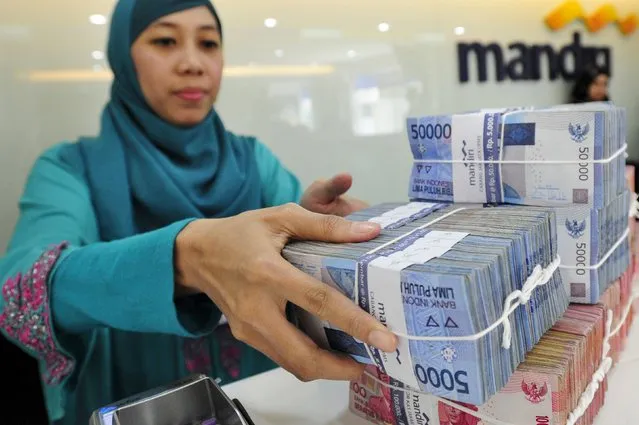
column 348, row 115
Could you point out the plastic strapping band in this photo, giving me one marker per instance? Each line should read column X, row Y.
column 634, row 207
column 586, row 397
column 604, row 367
column 397, row 239
column 611, row 251
column 541, row 162
column 539, row 276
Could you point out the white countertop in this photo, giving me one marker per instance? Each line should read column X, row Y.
column 278, row 398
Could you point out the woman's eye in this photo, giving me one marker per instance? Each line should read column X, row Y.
column 164, row 41
column 210, row 44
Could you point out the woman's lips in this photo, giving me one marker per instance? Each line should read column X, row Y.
column 191, row 95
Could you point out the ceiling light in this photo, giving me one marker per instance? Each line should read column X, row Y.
column 97, row 55
column 351, row 53
column 279, row 53
column 270, row 22
column 98, row 19
column 383, row 27
column 459, row 30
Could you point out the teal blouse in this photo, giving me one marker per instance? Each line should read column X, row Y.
column 101, row 318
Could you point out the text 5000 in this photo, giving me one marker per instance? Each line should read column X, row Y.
column 430, row 131
column 583, row 166
column 442, row 378
column 581, row 258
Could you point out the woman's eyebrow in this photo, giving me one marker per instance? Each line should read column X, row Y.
column 211, row 27
column 170, row 24
column 167, row 24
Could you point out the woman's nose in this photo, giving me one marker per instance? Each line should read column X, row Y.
column 190, row 62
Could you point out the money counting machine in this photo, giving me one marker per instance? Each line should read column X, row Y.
column 196, row 400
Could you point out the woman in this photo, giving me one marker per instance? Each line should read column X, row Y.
column 131, row 246
column 591, row 86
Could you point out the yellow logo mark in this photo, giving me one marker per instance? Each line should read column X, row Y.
column 571, row 10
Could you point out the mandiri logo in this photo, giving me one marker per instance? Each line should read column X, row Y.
column 607, row 14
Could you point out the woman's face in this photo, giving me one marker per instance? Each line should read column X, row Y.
column 598, row 90
column 179, row 62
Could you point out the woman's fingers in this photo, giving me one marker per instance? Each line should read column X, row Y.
column 297, row 353
column 299, row 223
column 246, row 276
column 327, row 191
column 330, row 305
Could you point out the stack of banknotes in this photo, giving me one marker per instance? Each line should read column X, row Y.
column 455, row 161
column 568, row 154
column 594, row 246
column 617, row 299
column 633, row 212
column 495, row 196
column 633, row 215
column 546, row 388
column 441, row 271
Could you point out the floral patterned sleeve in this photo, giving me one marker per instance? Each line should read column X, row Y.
column 55, row 214
column 59, row 282
column 26, row 317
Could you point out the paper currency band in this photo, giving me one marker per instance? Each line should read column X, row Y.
column 412, row 211
column 406, row 213
column 586, row 397
column 543, row 162
column 611, row 251
column 539, row 277
column 634, row 207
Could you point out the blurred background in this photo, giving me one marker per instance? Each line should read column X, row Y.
column 327, row 84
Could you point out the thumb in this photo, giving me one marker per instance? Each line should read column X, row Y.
column 327, row 191
column 300, row 223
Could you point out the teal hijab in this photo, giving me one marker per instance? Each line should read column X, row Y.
column 145, row 173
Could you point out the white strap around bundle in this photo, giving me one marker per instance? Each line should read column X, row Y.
column 539, row 277
column 402, row 259
column 611, row 251
column 621, row 151
column 403, row 212
column 586, row 397
column 634, row 207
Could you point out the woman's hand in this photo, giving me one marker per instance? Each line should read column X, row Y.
column 237, row 262
column 327, row 197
